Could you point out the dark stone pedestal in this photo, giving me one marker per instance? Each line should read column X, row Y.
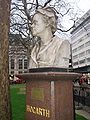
column 49, row 95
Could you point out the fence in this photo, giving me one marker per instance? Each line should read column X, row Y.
column 82, row 95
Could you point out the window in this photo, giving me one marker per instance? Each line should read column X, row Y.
column 75, row 63
column 87, row 44
column 81, row 54
column 87, row 27
column 12, row 64
column 12, row 72
column 80, row 47
column 25, row 64
column 25, row 71
column 75, row 57
column 88, row 52
column 82, row 61
column 74, row 50
column 75, row 43
column 88, row 59
column 20, row 64
column 20, row 72
column 81, row 39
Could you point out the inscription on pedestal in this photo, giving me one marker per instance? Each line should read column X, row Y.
column 37, row 94
column 38, row 111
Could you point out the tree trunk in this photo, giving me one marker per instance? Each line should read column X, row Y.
column 4, row 73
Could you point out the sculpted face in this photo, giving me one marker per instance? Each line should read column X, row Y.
column 38, row 25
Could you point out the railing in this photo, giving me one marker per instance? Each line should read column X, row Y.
column 82, row 95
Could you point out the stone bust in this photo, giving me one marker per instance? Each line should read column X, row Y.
column 52, row 51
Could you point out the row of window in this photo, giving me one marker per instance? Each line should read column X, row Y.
column 81, row 54
column 12, row 72
column 81, row 39
column 81, row 61
column 80, row 30
column 81, row 47
column 22, row 64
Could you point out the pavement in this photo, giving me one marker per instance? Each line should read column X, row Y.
column 83, row 113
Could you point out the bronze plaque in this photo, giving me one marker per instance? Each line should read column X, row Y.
column 37, row 94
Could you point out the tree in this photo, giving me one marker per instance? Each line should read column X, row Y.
column 4, row 77
column 21, row 18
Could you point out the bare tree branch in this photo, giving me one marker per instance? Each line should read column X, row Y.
column 25, row 9
column 67, row 29
column 37, row 4
column 66, row 12
column 48, row 1
column 21, row 17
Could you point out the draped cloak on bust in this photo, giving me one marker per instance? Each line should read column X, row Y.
column 55, row 53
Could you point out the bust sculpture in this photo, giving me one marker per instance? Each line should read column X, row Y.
column 52, row 51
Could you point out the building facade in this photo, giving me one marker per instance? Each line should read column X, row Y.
column 18, row 62
column 80, row 41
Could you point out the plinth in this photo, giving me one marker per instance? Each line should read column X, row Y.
column 49, row 95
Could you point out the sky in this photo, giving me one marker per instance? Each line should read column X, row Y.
column 84, row 5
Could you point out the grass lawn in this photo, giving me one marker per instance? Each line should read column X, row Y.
column 18, row 98
column 78, row 117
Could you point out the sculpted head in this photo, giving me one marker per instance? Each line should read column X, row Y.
column 43, row 19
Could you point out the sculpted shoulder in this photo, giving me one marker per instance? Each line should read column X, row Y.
column 57, row 41
column 61, row 41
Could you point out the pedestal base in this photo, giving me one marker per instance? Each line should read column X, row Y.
column 49, row 95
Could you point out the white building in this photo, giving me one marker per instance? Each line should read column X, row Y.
column 80, row 40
